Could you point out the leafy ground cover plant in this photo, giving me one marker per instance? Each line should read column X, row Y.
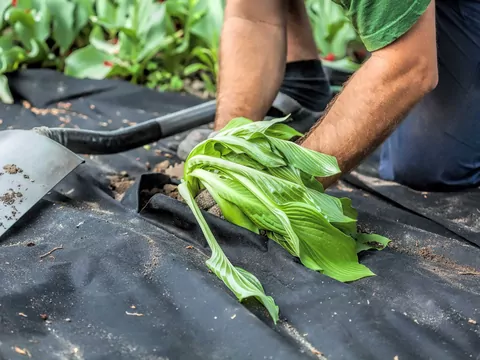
column 266, row 183
column 40, row 33
column 157, row 43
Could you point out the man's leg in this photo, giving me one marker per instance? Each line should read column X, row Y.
column 437, row 147
column 304, row 80
column 305, row 89
column 300, row 42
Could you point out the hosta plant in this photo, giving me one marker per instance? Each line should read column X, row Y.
column 266, row 183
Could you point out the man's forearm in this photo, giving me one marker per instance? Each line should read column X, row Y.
column 252, row 58
column 377, row 98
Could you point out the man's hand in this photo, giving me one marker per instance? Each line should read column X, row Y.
column 378, row 97
column 194, row 138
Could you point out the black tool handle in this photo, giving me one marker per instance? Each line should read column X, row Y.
column 116, row 141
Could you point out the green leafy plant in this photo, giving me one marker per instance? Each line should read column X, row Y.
column 266, row 183
column 144, row 41
column 39, row 32
column 338, row 43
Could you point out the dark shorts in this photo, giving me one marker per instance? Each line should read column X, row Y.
column 437, row 147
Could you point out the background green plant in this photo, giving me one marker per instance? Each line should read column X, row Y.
column 164, row 45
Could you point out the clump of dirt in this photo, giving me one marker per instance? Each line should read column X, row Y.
column 10, row 197
column 119, row 184
column 161, row 167
column 215, row 210
column 168, row 189
column 148, row 193
column 165, row 167
column 175, row 171
column 375, row 245
column 12, row 169
column 204, row 200
column 171, row 191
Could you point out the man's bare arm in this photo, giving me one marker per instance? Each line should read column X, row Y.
column 378, row 97
column 252, row 58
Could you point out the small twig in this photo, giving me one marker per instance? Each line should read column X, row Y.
column 51, row 251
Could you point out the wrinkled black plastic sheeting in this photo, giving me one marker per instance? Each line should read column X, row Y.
column 458, row 212
column 114, row 258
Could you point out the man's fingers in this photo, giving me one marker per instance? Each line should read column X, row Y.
column 193, row 139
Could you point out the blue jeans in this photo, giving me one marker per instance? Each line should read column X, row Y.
column 437, row 147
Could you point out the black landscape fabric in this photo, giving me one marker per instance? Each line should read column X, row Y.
column 128, row 278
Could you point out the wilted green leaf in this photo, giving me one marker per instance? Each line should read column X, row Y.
column 235, row 123
column 309, row 161
column 370, row 242
column 242, row 283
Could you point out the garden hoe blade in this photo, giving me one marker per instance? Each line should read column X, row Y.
column 30, row 166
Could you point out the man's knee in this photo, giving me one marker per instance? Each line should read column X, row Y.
column 435, row 162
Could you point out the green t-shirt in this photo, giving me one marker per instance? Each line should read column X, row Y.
column 380, row 22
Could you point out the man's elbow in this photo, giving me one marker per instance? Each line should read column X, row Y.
column 425, row 70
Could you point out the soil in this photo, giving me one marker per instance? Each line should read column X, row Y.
column 161, row 166
column 168, row 189
column 427, row 254
column 215, row 210
column 10, row 197
column 300, row 339
column 175, row 171
column 146, row 194
column 12, row 169
column 119, row 184
column 375, row 244
column 204, row 200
